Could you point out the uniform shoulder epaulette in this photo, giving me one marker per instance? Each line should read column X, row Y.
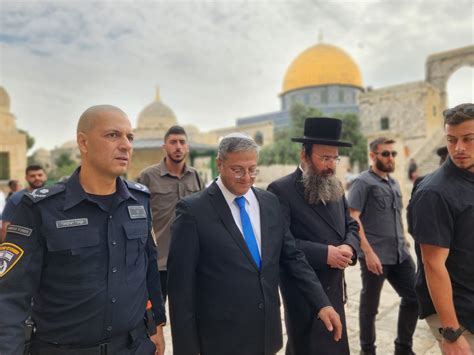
column 137, row 186
column 42, row 193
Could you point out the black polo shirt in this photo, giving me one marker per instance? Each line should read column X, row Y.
column 89, row 262
column 441, row 213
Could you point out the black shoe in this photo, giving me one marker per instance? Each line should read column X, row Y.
column 403, row 350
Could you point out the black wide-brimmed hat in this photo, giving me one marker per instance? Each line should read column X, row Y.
column 322, row 130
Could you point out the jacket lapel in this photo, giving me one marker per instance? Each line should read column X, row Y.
column 319, row 208
column 264, row 242
column 223, row 211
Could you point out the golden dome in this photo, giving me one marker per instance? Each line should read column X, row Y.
column 322, row 64
column 156, row 115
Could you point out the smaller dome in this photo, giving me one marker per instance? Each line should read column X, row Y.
column 4, row 100
column 156, row 115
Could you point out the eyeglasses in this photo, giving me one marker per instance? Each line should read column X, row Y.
column 239, row 173
column 467, row 110
column 387, row 153
column 328, row 159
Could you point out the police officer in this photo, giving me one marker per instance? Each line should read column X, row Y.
column 83, row 252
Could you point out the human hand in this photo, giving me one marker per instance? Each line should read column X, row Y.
column 338, row 258
column 373, row 263
column 159, row 340
column 347, row 248
column 331, row 320
column 459, row 347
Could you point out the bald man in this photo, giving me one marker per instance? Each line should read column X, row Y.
column 83, row 252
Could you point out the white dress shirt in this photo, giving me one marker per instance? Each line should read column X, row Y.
column 251, row 206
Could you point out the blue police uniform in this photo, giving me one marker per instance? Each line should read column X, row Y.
column 89, row 266
column 11, row 204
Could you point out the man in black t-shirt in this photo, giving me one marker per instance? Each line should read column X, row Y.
column 441, row 219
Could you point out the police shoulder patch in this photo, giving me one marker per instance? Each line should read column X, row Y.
column 44, row 192
column 137, row 186
column 10, row 254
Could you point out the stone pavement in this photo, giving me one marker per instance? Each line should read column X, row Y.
column 424, row 343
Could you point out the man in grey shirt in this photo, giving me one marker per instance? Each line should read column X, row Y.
column 375, row 201
column 168, row 182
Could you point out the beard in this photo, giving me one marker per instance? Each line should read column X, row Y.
column 177, row 161
column 36, row 184
column 385, row 168
column 321, row 185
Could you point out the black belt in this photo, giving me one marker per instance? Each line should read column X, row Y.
column 108, row 347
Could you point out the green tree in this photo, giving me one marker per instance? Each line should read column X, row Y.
column 64, row 160
column 30, row 141
column 283, row 150
column 65, row 166
column 351, row 132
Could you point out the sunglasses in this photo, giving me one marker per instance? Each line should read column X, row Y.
column 387, row 153
column 466, row 110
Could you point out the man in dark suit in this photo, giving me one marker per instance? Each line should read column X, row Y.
column 315, row 209
column 227, row 246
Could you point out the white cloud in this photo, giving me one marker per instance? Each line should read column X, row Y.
column 214, row 60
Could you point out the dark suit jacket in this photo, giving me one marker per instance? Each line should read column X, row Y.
column 314, row 227
column 219, row 302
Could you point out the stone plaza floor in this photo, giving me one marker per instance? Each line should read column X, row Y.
column 424, row 343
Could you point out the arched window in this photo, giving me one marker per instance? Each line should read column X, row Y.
column 258, row 138
column 384, row 124
column 324, row 96
column 306, row 99
column 341, row 96
column 4, row 165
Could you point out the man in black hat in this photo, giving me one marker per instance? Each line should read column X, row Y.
column 316, row 212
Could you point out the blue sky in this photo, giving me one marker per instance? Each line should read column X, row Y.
column 214, row 61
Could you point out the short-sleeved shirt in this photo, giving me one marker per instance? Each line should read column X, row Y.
column 441, row 213
column 88, row 262
column 166, row 190
column 11, row 205
column 380, row 202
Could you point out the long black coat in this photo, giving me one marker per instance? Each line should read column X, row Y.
column 314, row 226
column 220, row 303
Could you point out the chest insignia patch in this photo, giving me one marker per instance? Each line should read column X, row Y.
column 67, row 223
column 136, row 212
column 10, row 254
column 12, row 228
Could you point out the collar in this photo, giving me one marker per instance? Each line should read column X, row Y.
column 465, row 174
column 75, row 192
column 163, row 170
column 230, row 197
column 389, row 178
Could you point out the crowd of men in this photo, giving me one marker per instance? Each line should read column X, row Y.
column 87, row 265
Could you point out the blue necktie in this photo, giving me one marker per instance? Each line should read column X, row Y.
column 247, row 229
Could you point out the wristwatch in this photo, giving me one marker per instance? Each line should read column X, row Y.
column 450, row 334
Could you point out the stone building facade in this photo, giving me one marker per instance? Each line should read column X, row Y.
column 414, row 111
column 13, row 145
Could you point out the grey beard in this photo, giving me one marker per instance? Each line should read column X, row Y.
column 321, row 188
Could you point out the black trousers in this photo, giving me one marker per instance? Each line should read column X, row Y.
column 402, row 278
column 164, row 284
